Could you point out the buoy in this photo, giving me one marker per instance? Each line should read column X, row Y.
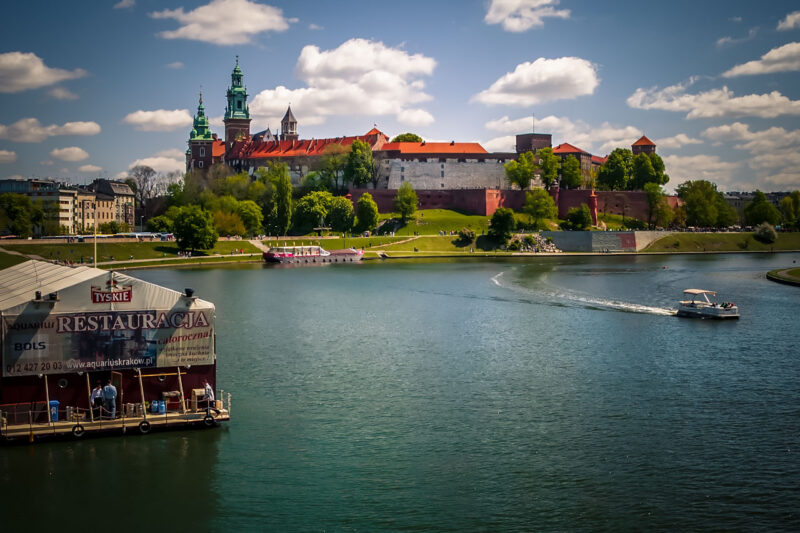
column 78, row 431
column 208, row 421
column 144, row 427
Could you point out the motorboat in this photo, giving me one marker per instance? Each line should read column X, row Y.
column 311, row 254
column 701, row 303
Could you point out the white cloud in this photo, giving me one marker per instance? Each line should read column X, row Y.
column 224, row 22
column 360, row 77
column 541, row 81
column 29, row 130
column 175, row 65
column 60, row 93
column 159, row 120
column 165, row 161
column 727, row 41
column 700, row 167
column 123, row 4
column 595, row 139
column 315, row 27
column 7, row 156
column 785, row 58
column 792, row 21
column 713, row 103
column 522, row 15
column 20, row 71
column 677, row 141
column 47, row 163
column 90, row 168
column 72, row 154
column 506, row 143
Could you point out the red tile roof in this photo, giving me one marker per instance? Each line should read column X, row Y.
column 259, row 149
column 596, row 159
column 644, row 141
column 566, row 148
column 409, row 148
column 218, row 149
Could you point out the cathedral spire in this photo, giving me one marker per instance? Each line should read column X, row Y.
column 237, row 112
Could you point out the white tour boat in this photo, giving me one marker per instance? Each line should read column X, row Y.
column 699, row 303
column 311, row 254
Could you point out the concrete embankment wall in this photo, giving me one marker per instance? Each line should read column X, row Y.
column 601, row 241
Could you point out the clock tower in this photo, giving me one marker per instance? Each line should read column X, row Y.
column 237, row 113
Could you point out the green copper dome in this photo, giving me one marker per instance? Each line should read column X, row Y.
column 200, row 130
column 237, row 96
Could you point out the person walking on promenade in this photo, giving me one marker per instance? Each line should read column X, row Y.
column 110, row 399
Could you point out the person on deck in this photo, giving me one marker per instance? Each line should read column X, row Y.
column 96, row 400
column 110, row 399
column 208, row 397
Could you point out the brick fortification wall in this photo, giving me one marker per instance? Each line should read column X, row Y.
column 474, row 201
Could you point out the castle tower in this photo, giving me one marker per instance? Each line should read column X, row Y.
column 237, row 113
column 643, row 146
column 289, row 126
column 201, row 140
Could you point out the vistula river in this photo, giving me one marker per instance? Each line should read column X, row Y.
column 550, row 394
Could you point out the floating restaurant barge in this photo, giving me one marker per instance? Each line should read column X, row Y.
column 64, row 330
column 311, row 254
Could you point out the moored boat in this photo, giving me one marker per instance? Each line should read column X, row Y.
column 700, row 303
column 311, row 254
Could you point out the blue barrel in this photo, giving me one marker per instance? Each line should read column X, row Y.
column 162, row 407
column 54, row 410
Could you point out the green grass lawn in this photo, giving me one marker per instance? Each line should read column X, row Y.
column 432, row 221
column 722, row 242
column 7, row 260
column 121, row 251
column 795, row 272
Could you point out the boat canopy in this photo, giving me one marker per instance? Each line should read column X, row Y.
column 699, row 291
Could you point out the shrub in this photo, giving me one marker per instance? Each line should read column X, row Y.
column 465, row 236
column 513, row 246
column 765, row 233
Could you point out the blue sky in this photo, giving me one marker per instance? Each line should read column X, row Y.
column 89, row 89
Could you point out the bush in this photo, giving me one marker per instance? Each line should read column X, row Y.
column 513, row 246
column 465, row 236
column 765, row 233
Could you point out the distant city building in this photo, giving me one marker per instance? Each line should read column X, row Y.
column 76, row 209
column 643, row 146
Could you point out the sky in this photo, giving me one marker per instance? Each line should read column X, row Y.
column 90, row 88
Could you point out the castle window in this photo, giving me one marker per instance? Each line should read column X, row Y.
column 239, row 104
column 200, row 164
column 202, row 151
column 442, row 173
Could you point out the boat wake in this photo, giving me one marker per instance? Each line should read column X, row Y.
column 564, row 298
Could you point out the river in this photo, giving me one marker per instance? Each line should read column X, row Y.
column 547, row 394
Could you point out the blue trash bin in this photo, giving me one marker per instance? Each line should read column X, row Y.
column 54, row 410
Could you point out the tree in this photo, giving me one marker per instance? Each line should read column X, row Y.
column 251, row 215
column 658, row 165
column 280, row 215
column 145, row 179
column 616, row 171
column 407, row 138
column 19, row 215
column 643, row 173
column 501, row 225
column 760, row 209
column 549, row 164
column 237, row 186
column 655, row 194
column 790, row 209
column 340, row 214
column 367, row 213
column 570, row 172
column 405, row 202
column 726, row 214
column 578, row 218
column 312, row 211
column 358, row 167
column 540, row 205
column 698, row 201
column 334, row 159
column 519, row 172
column 376, row 173
column 160, row 224
column 194, row 229
column 229, row 224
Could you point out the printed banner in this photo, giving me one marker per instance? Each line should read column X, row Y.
column 77, row 342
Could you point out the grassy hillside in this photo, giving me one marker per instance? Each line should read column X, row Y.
column 7, row 260
column 120, row 251
column 722, row 242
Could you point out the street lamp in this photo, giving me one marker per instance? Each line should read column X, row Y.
column 141, row 223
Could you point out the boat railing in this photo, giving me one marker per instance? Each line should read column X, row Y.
column 37, row 415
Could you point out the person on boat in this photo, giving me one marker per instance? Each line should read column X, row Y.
column 110, row 399
column 96, row 400
column 209, row 396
